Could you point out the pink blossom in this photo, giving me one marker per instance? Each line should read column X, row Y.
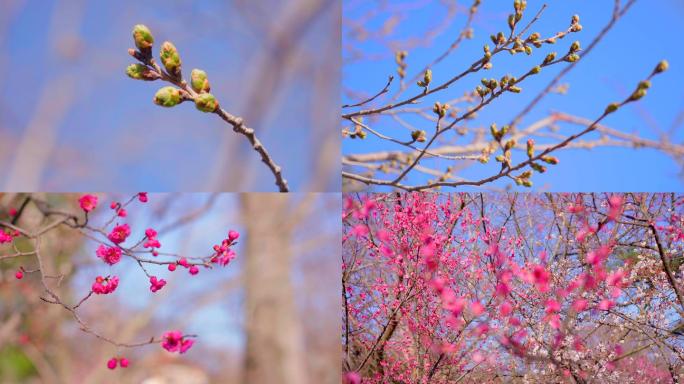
column 352, row 378
column 186, row 344
column 505, row 309
column 119, row 233
column 615, row 206
column 477, row 308
column 606, row 304
column 541, row 278
column 503, row 289
column 105, row 285
column 110, row 255
column 152, row 241
column 155, row 284
column 552, row 306
column 478, row 357
column 580, row 305
column 5, row 237
column 142, row 197
column 174, row 341
column 88, row 202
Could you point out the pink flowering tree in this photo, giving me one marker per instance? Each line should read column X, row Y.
column 29, row 229
column 512, row 288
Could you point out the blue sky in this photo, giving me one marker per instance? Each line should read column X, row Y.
column 111, row 136
column 648, row 33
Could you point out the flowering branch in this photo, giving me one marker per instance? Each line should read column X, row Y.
column 110, row 238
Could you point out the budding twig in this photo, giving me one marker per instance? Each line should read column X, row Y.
column 196, row 91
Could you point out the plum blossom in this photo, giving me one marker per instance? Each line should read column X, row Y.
column 174, row 341
column 88, row 202
column 105, row 285
column 119, row 233
column 110, row 255
column 156, row 284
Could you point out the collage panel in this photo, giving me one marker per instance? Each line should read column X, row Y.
column 90, row 100
column 169, row 288
column 520, row 95
column 513, row 288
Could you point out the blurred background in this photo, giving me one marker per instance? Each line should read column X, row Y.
column 271, row 316
column 71, row 120
column 649, row 32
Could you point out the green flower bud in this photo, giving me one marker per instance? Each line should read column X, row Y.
column 418, row 135
column 535, row 70
column 612, row 107
column 500, row 158
column 550, row 160
column 206, row 102
column 638, row 94
column 427, row 78
column 509, row 144
column 500, row 38
column 575, row 47
column 168, row 97
column 141, row 72
column 515, row 89
column 527, row 183
column 143, row 37
column 199, row 81
column 511, row 21
column 528, row 50
column 361, row 135
column 549, row 58
column 661, row 67
column 537, row 167
column 572, row 58
column 170, row 58
column 645, row 84
column 496, row 134
column 530, row 148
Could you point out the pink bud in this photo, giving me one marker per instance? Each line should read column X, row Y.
column 172, row 267
column 233, row 235
column 123, row 362
column 111, row 364
column 194, row 270
column 19, row 275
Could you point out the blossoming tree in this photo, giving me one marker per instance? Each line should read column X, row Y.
column 513, row 288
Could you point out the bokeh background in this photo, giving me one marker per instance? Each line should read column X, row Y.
column 648, row 32
column 269, row 316
column 71, row 120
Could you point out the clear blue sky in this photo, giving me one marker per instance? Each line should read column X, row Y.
column 112, row 137
column 648, row 33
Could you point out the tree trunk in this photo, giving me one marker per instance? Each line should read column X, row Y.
column 275, row 349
